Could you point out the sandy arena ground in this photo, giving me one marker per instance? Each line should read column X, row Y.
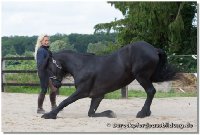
column 19, row 115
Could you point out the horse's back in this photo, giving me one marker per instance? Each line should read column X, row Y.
column 143, row 48
column 144, row 57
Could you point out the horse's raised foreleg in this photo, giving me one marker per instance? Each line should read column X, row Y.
column 93, row 107
column 150, row 90
column 75, row 96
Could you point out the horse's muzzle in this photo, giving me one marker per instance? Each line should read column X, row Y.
column 57, row 84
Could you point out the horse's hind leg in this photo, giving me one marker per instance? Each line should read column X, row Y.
column 150, row 90
column 93, row 107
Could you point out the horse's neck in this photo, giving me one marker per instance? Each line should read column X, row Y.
column 71, row 62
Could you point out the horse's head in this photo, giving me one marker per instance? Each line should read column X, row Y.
column 55, row 70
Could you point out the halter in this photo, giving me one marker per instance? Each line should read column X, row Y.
column 54, row 62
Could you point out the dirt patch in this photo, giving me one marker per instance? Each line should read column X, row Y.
column 19, row 115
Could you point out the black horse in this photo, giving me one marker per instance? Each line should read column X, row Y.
column 95, row 76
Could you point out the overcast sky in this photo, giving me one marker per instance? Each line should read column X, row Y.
column 65, row 17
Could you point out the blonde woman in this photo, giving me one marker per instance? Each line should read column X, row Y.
column 41, row 52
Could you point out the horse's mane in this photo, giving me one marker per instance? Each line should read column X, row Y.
column 70, row 51
column 66, row 51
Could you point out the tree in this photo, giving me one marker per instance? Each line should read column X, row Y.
column 60, row 45
column 7, row 47
column 96, row 48
column 166, row 25
column 102, row 48
column 81, row 41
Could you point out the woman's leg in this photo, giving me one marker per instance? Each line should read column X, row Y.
column 41, row 97
column 52, row 95
column 44, row 87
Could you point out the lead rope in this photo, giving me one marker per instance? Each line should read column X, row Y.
column 54, row 61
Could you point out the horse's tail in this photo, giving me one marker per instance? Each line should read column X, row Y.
column 164, row 71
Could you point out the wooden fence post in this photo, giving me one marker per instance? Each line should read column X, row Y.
column 2, row 75
column 124, row 92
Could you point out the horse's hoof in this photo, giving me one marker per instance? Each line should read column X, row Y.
column 142, row 114
column 49, row 116
column 109, row 114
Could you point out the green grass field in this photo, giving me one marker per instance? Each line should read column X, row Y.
column 66, row 91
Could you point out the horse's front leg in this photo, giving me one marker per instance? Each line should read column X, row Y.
column 75, row 96
column 150, row 90
column 93, row 107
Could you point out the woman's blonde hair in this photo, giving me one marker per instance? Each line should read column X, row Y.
column 39, row 43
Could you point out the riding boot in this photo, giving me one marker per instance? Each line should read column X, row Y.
column 52, row 97
column 40, row 109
